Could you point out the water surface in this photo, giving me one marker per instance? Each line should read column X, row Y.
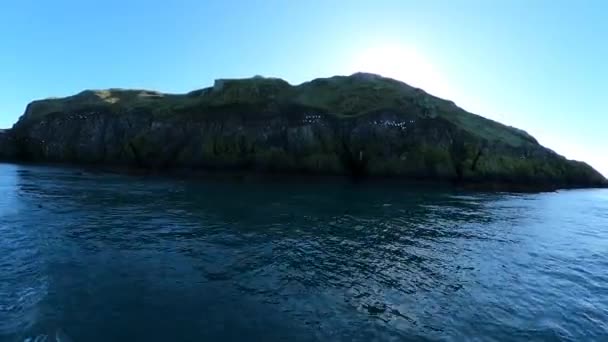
column 102, row 257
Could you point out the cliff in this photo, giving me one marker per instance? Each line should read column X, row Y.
column 361, row 125
column 8, row 147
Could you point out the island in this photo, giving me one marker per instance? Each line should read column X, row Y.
column 362, row 126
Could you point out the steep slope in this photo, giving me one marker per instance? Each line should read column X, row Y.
column 359, row 125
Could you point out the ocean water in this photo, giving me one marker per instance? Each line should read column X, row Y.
column 98, row 257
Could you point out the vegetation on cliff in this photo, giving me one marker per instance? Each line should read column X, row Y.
column 358, row 125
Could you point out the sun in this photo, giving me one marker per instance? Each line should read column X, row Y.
column 404, row 64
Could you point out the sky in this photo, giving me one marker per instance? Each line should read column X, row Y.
column 539, row 65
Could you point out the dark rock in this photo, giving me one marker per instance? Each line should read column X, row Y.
column 361, row 126
column 8, row 146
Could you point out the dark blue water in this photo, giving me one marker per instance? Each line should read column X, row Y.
column 114, row 258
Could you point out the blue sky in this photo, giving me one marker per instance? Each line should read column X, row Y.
column 540, row 65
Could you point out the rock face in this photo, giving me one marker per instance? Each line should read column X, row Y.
column 360, row 125
column 8, row 147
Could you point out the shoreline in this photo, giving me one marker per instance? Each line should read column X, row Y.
column 248, row 176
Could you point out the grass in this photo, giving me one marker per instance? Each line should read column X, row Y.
column 342, row 96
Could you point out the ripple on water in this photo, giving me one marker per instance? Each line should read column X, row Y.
column 113, row 258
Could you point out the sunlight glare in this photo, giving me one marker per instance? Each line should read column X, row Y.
column 403, row 64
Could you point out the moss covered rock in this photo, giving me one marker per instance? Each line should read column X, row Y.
column 359, row 125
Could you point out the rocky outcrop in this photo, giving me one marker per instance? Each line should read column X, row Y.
column 8, row 147
column 361, row 125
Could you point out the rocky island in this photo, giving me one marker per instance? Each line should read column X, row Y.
column 359, row 126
